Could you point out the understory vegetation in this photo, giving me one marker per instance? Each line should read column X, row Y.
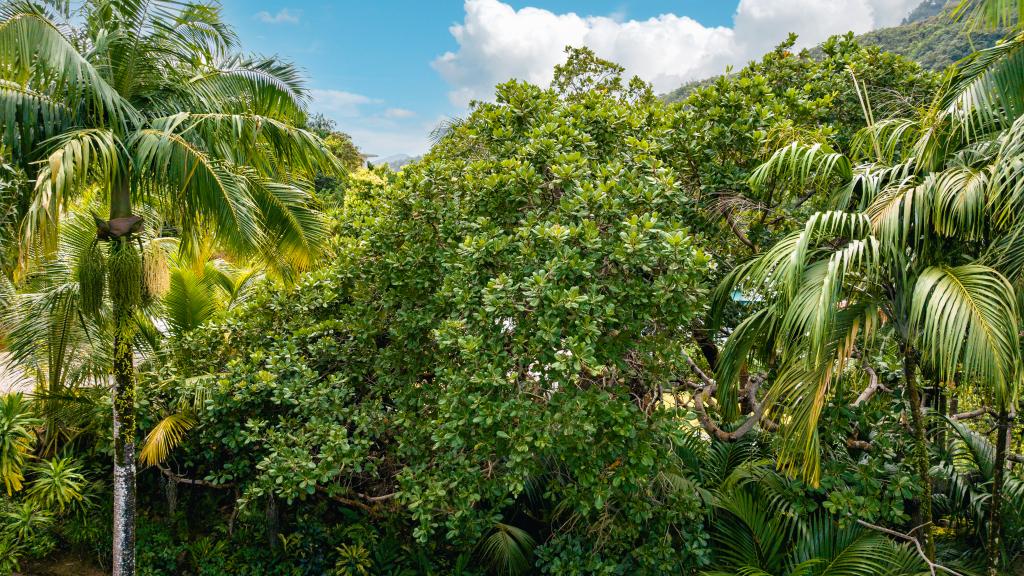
column 771, row 329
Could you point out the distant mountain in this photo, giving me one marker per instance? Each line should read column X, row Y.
column 928, row 35
column 925, row 10
column 395, row 161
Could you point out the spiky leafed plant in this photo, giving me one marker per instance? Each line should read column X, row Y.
column 16, row 437
column 57, row 484
column 147, row 100
column 929, row 252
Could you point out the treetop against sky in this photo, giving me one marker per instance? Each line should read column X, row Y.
column 388, row 72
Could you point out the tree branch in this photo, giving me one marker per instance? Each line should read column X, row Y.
column 371, row 508
column 932, row 566
column 873, row 388
column 179, row 479
column 710, row 387
column 972, row 414
column 738, row 232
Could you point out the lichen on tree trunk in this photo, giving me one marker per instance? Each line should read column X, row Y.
column 920, row 449
column 124, row 447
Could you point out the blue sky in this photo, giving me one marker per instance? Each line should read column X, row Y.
column 388, row 71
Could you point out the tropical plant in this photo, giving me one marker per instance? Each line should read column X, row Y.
column 17, row 435
column 966, row 473
column 754, row 535
column 9, row 554
column 51, row 340
column 148, row 100
column 29, row 526
column 931, row 258
column 507, row 550
column 57, row 484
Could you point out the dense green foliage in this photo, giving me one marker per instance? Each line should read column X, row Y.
column 764, row 330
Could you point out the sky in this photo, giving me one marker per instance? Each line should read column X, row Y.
column 388, row 71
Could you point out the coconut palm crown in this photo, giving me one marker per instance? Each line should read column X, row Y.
column 150, row 102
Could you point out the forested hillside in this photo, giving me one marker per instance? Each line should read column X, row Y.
column 930, row 36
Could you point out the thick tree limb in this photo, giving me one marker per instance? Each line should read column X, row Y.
column 972, row 414
column 872, row 389
column 709, row 388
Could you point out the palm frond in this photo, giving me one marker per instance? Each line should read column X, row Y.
column 966, row 318
column 206, row 191
column 987, row 91
column 30, row 42
column 507, row 549
column 165, row 436
column 801, row 166
column 190, row 301
column 265, row 87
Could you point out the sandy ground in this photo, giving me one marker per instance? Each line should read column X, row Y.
column 11, row 379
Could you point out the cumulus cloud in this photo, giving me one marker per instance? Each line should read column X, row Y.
column 338, row 103
column 283, row 16
column 497, row 42
column 398, row 113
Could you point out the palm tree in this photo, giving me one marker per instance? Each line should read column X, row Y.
column 967, row 471
column 931, row 255
column 146, row 101
column 756, row 531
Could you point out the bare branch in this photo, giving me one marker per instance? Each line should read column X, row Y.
column 707, row 380
column 932, row 566
column 179, row 479
column 371, row 508
column 710, row 387
column 873, row 388
column 739, row 232
column 972, row 414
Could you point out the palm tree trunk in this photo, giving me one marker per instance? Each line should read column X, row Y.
column 124, row 402
column 920, row 449
column 124, row 449
column 995, row 518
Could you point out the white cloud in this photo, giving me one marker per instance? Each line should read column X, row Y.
column 374, row 129
column 283, row 16
column 498, row 42
column 338, row 103
column 398, row 113
column 383, row 143
column 761, row 24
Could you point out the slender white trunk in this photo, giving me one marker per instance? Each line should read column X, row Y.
column 124, row 450
column 124, row 511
